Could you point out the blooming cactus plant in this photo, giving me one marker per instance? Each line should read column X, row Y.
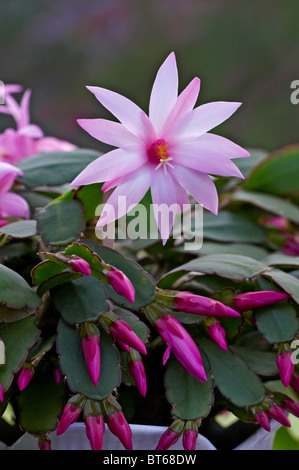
column 147, row 331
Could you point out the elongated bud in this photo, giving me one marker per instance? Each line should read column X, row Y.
column 44, row 443
column 122, row 331
column 136, row 369
column 295, row 383
column 120, row 283
column 119, row 426
column 285, row 366
column 25, row 375
column 70, row 413
column 79, row 265
column 279, row 415
column 189, row 439
column 251, row 300
column 291, row 406
column 90, row 344
column 262, row 419
column 200, row 305
column 217, row 334
column 1, row 393
column 171, row 435
column 58, row 376
column 95, row 428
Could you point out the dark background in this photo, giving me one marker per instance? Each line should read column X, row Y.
column 242, row 51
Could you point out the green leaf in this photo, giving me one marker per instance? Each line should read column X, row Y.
column 18, row 338
column 60, row 222
column 57, row 280
column 232, row 376
column 20, row 229
column 45, row 270
column 81, row 300
column 282, row 260
column 286, row 281
column 90, row 196
column 41, row 403
column 15, row 293
column 55, row 168
column 270, row 203
column 261, row 362
column 278, row 322
column 283, row 440
column 277, row 174
column 190, row 399
column 73, row 364
column 246, row 165
column 209, row 248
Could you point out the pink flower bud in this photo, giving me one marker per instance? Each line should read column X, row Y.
column 58, row 376
column 285, row 366
column 90, row 345
column 122, row 331
column 25, row 376
column 199, row 305
column 251, row 300
column 182, row 346
column 279, row 415
column 95, row 428
column 1, row 393
column 291, row 406
column 262, row 419
column 168, row 439
column 121, row 284
column 295, row 383
column 44, row 443
column 70, row 414
column 119, row 426
column 79, row 265
column 189, row 439
column 217, row 334
column 137, row 371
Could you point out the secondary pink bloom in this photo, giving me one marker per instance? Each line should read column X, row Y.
column 285, row 366
column 217, row 334
column 24, row 377
column 169, row 151
column 189, row 439
column 137, row 371
column 262, row 419
column 277, row 413
column 181, row 345
column 250, row 300
column 120, row 283
column 121, row 330
column 295, row 383
column 70, row 414
column 168, row 439
column 92, row 352
column 95, row 428
column 80, row 266
column 291, row 406
column 11, row 204
column 199, row 305
column 119, row 426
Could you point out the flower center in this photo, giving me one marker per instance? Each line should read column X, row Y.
column 159, row 152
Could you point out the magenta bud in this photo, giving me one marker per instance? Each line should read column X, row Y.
column 90, row 345
column 279, row 415
column 44, row 443
column 58, row 376
column 285, row 366
column 217, row 334
column 295, row 383
column 262, row 419
column 70, row 414
column 24, row 377
column 137, row 371
column 168, row 439
column 199, row 305
column 95, row 428
column 291, row 406
column 122, row 331
column 121, row 284
column 79, row 265
column 1, row 393
column 189, row 439
column 119, row 426
column 251, row 300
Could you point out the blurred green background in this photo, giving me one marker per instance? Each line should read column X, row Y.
column 242, row 51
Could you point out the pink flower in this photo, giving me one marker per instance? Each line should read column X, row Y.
column 285, row 366
column 11, row 204
column 44, row 443
column 199, row 305
column 121, row 330
column 168, row 439
column 137, row 371
column 1, row 393
column 95, row 428
column 250, row 300
column 120, row 283
column 170, row 151
column 295, row 383
column 24, row 377
column 119, row 426
column 180, row 343
column 91, row 349
column 291, row 406
column 58, row 376
column 262, row 419
column 79, row 265
column 189, row 439
column 277, row 413
column 217, row 334
column 70, row 414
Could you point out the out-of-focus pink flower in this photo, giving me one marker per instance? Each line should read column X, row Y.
column 120, row 283
column 291, row 406
column 189, row 439
column 285, row 366
column 44, row 443
column 217, row 333
column 92, row 352
column 277, row 413
column 58, row 376
column 95, row 428
column 295, row 383
column 11, row 204
column 119, row 426
column 262, row 419
column 170, row 151
column 1, row 393
column 25, row 376
column 121, row 330
column 70, row 414
column 251, row 300
column 200, row 305
column 181, row 345
column 79, row 265
column 136, row 369
column 291, row 245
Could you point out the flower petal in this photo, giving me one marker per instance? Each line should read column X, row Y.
column 127, row 112
column 8, row 174
column 222, row 145
column 164, row 92
column 109, row 132
column 201, row 119
column 199, row 185
column 13, row 205
column 112, row 165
